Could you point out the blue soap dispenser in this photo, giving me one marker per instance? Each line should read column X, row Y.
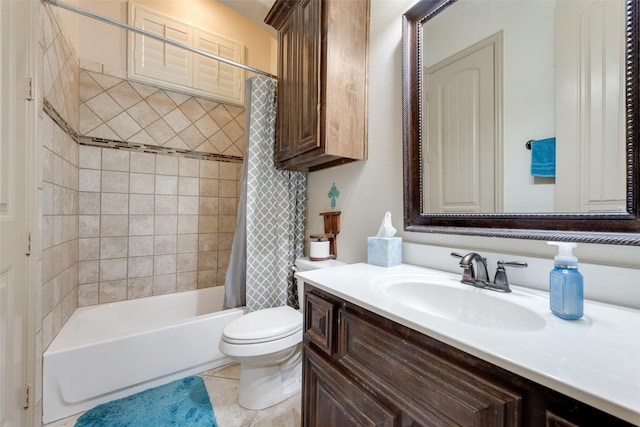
column 566, row 289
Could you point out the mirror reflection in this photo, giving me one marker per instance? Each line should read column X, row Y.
column 523, row 107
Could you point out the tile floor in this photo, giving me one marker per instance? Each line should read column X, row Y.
column 222, row 386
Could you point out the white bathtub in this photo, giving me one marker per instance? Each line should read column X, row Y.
column 109, row 351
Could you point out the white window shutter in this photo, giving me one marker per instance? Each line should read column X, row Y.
column 155, row 62
column 214, row 76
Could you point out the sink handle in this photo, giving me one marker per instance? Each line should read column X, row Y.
column 501, row 281
column 517, row 264
column 456, row 255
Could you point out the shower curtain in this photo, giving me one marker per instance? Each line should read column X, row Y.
column 269, row 233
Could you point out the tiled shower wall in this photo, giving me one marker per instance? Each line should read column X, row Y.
column 59, row 185
column 153, row 224
column 152, row 208
column 157, row 215
column 56, row 243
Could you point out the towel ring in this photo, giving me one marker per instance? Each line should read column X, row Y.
column 528, row 144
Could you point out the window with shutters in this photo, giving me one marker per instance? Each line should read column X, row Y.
column 154, row 62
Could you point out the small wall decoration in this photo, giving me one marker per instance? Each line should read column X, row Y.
column 333, row 195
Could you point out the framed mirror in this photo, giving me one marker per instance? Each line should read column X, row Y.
column 468, row 164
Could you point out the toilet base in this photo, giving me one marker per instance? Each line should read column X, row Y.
column 264, row 386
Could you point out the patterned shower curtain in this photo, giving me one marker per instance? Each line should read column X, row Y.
column 269, row 233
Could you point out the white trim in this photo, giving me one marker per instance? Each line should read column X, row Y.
column 34, row 166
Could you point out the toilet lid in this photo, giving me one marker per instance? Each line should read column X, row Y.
column 263, row 325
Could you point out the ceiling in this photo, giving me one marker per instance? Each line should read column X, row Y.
column 255, row 10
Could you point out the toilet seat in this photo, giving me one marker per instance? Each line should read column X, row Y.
column 262, row 326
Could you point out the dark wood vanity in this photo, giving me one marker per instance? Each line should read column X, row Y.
column 360, row 368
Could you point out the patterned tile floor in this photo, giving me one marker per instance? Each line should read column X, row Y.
column 222, row 386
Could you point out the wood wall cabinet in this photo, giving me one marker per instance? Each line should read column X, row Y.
column 363, row 369
column 322, row 86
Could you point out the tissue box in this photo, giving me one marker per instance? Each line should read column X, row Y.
column 384, row 251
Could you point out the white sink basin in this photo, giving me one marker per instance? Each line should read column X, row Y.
column 447, row 298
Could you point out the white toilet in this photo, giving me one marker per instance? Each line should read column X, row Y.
column 268, row 345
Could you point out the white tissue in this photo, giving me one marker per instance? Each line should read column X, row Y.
column 386, row 230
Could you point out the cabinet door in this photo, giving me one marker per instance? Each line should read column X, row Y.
column 331, row 399
column 429, row 388
column 308, row 21
column 298, row 110
column 287, row 89
column 320, row 319
column 322, row 101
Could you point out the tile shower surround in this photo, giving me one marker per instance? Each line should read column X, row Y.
column 156, row 187
column 158, row 214
column 152, row 224
column 56, row 242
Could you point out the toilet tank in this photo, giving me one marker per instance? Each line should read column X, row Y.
column 305, row 264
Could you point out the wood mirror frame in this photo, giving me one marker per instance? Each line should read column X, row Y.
column 621, row 228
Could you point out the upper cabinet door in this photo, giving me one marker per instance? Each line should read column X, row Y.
column 287, row 82
column 307, row 21
column 322, row 87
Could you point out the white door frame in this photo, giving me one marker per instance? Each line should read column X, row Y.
column 34, row 348
column 21, row 80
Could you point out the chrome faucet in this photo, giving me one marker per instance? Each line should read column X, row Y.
column 479, row 276
column 472, row 275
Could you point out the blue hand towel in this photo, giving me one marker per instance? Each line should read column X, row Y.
column 543, row 157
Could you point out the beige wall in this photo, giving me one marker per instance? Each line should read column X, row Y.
column 370, row 188
column 105, row 44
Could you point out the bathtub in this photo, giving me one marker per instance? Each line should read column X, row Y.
column 109, row 351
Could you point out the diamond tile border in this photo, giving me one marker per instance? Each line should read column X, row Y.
column 121, row 145
column 120, row 109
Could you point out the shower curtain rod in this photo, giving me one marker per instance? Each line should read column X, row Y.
column 155, row 37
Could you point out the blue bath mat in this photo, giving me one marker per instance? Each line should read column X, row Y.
column 183, row 403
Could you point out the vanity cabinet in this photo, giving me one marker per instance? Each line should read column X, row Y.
column 363, row 369
column 322, row 84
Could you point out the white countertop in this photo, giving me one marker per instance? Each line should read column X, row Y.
column 595, row 359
